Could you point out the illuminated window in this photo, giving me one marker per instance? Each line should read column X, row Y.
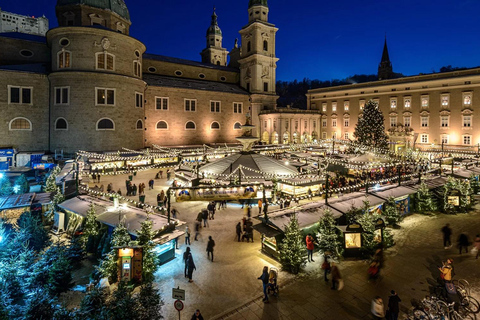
column 61, row 124
column 467, row 99
column 334, row 107
column 105, row 124
column 424, row 101
column 20, row 95
column 444, row 121
column 407, row 102
column 190, row 105
column 105, row 61
column 162, row 125
column 424, row 138
column 407, row 121
column 334, row 123
column 445, row 100
column 237, row 107
column 161, row 103
column 190, row 125
column 20, row 124
column 214, row 106
column 334, row 135
column 137, row 68
column 393, row 103
column 361, row 104
column 215, row 126
column 64, row 59
column 444, row 139
column 324, row 107
column 138, row 100
column 346, row 122
column 61, row 95
column 467, row 140
column 393, row 121
column 105, row 97
column 467, row 121
column 424, row 121
column 346, row 105
column 324, row 123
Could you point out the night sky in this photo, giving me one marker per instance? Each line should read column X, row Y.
column 317, row 39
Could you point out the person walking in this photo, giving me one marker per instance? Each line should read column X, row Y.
column 205, row 218
column 393, row 305
column 310, row 246
column 174, row 213
column 477, row 245
column 197, row 229
column 326, row 268
column 463, row 242
column 187, row 235
column 238, row 230
column 447, row 233
column 378, row 311
column 190, row 267
column 210, row 246
column 197, row 315
column 265, row 279
column 161, row 174
column 336, row 277
column 260, row 203
column 185, row 260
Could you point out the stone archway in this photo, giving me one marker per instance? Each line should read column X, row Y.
column 274, row 138
column 265, row 137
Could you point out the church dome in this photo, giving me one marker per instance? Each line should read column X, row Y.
column 257, row 3
column 117, row 6
column 214, row 29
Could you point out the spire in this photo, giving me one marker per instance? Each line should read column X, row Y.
column 385, row 70
column 214, row 29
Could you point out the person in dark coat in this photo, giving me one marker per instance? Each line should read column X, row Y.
column 190, row 267
column 239, row 230
column 197, row 315
column 335, row 275
column 265, row 280
column 205, row 218
column 393, row 307
column 210, row 245
column 185, row 259
column 197, row 229
column 463, row 242
column 447, row 232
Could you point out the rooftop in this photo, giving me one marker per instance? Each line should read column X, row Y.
column 157, row 57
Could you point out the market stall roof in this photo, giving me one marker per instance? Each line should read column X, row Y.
column 354, row 200
column 16, row 201
column 106, row 213
column 463, row 173
column 434, row 183
column 368, row 158
column 269, row 231
column 254, row 165
column 67, row 173
column 395, row 192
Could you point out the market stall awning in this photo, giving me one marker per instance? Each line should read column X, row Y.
column 268, row 231
column 395, row 192
column 354, row 200
column 16, row 201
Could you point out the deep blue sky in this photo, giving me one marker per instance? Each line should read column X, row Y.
column 317, row 39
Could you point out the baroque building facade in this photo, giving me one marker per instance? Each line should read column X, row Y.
column 88, row 85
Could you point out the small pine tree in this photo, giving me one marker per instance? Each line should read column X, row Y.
column 108, row 266
column 91, row 228
column 39, row 305
column 22, row 184
column 464, row 190
column 51, row 184
column 424, row 202
column 370, row 128
column 292, row 249
column 391, row 212
column 328, row 238
column 6, row 188
column 367, row 222
column 149, row 303
column 145, row 239
column 30, row 233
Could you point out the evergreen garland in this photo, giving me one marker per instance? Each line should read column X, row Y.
column 424, row 202
column 292, row 249
column 328, row 238
column 370, row 128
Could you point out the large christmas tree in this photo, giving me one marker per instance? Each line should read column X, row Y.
column 370, row 129
column 293, row 249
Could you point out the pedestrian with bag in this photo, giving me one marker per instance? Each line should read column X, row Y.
column 393, row 306
column 265, row 281
column 378, row 310
column 210, row 245
column 326, row 268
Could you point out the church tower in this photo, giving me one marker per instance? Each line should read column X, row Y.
column 385, row 70
column 257, row 62
column 214, row 53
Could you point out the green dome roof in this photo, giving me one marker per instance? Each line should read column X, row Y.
column 257, row 3
column 214, row 29
column 117, row 6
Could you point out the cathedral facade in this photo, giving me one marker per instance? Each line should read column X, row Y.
column 88, row 85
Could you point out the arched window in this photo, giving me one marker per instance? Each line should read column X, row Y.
column 20, row 124
column 105, row 61
column 265, row 45
column 64, row 59
column 137, row 68
column 105, row 124
column 162, row 125
column 215, row 126
column 249, row 46
column 139, row 125
column 190, row 125
column 237, row 126
column 61, row 124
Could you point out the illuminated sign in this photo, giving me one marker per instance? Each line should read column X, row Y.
column 126, row 266
column 454, row 200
